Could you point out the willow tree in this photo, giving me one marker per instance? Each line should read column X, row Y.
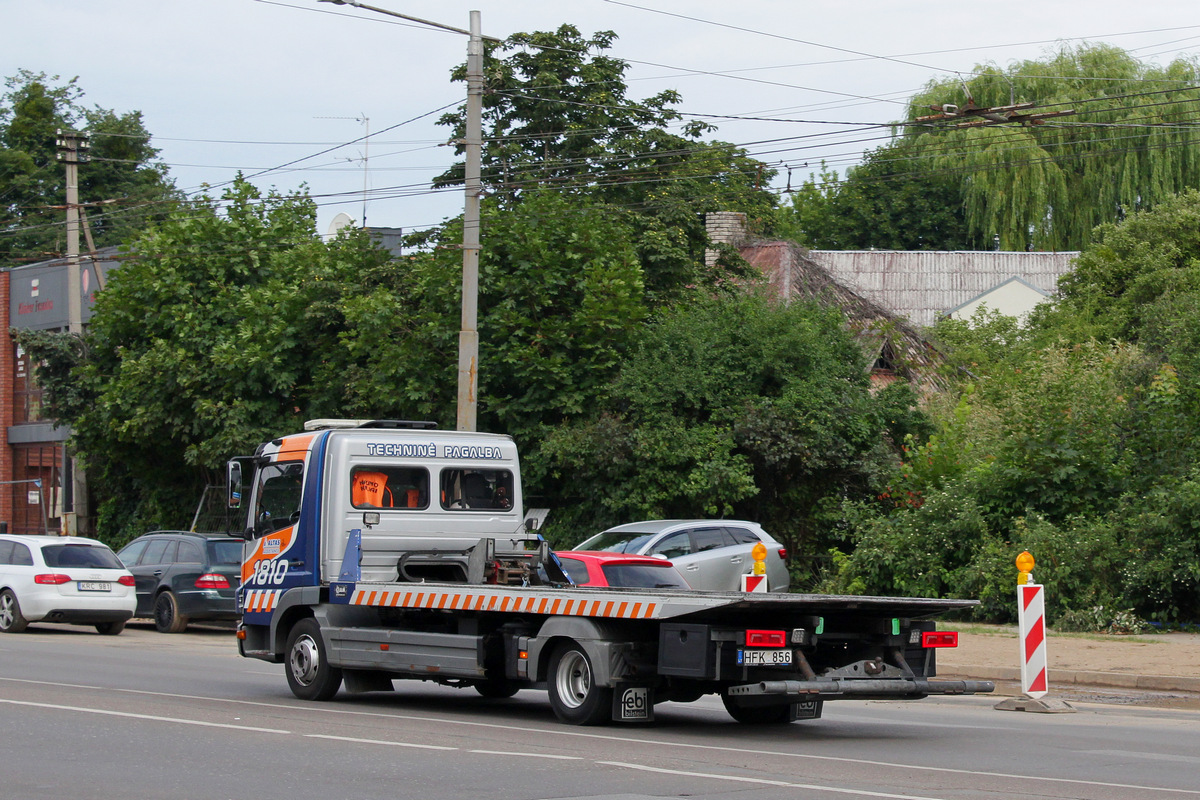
column 1131, row 142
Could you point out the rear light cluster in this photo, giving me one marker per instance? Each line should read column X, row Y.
column 939, row 639
column 212, row 580
column 126, row 580
column 766, row 639
column 52, row 578
column 783, row 553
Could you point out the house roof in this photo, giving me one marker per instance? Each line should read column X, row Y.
column 792, row 273
column 922, row 285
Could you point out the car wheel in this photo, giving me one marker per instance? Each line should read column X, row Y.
column 167, row 618
column 11, row 618
column 574, row 695
column 776, row 714
column 309, row 673
column 110, row 628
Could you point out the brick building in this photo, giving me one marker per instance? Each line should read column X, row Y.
column 39, row 490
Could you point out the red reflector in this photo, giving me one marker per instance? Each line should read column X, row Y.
column 783, row 553
column 939, row 639
column 126, row 580
column 212, row 580
column 52, row 578
column 766, row 638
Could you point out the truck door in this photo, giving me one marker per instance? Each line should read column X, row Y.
column 276, row 557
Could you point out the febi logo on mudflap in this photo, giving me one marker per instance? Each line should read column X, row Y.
column 633, row 704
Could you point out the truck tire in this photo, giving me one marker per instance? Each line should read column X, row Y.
column 497, row 688
column 309, row 674
column 778, row 714
column 574, row 695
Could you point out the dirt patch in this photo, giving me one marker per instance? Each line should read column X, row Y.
column 1176, row 654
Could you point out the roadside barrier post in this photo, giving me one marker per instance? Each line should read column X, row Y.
column 756, row 581
column 1031, row 625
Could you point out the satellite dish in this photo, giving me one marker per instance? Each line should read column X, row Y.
column 342, row 220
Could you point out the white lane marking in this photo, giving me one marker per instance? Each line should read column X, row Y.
column 525, row 755
column 148, row 717
column 377, row 741
column 1128, row 754
column 559, row 732
column 766, row 782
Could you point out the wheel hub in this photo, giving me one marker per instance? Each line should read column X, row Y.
column 304, row 660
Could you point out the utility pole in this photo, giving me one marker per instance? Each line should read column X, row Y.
column 72, row 149
column 468, row 335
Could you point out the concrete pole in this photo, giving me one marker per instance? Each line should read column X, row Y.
column 72, row 149
column 468, row 337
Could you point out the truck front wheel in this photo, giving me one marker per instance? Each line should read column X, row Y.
column 574, row 695
column 308, row 671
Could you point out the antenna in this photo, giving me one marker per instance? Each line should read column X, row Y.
column 366, row 121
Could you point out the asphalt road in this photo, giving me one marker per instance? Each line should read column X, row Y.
column 146, row 715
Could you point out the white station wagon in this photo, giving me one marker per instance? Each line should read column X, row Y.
column 63, row 579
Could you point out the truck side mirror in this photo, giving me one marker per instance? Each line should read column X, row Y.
column 233, row 474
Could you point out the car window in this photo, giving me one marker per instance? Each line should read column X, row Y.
column 475, row 489
column 6, row 549
column 172, row 554
column 389, row 487
column 225, row 553
column 643, row 576
column 191, row 553
column 743, row 536
column 576, row 570
column 21, row 557
column 617, row 541
column 710, row 539
column 80, row 555
column 129, row 554
column 155, row 552
column 673, row 545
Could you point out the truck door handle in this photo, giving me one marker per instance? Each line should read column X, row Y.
column 298, row 563
column 693, row 567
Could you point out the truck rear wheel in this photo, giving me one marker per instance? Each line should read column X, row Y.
column 777, row 714
column 574, row 695
column 308, row 671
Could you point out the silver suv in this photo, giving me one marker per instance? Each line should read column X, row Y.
column 712, row 554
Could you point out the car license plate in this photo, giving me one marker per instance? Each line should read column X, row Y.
column 95, row 586
column 765, row 657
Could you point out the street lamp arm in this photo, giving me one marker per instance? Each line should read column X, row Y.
column 366, row 7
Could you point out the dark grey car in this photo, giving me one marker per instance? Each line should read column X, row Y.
column 184, row 577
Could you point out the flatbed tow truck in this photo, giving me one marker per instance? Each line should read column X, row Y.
column 383, row 550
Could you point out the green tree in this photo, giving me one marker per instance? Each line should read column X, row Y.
column 223, row 328
column 123, row 172
column 892, row 201
column 1129, row 146
column 557, row 116
column 733, row 406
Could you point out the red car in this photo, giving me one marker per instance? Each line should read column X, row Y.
column 593, row 568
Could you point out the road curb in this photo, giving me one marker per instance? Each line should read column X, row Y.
column 1117, row 680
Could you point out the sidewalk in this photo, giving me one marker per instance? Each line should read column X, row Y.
column 1166, row 662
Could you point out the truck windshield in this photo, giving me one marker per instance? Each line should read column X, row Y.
column 277, row 496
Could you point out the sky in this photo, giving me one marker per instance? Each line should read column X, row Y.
column 254, row 85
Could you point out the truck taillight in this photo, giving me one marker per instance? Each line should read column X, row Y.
column 212, row 580
column 126, row 580
column 52, row 578
column 939, row 639
column 766, row 638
